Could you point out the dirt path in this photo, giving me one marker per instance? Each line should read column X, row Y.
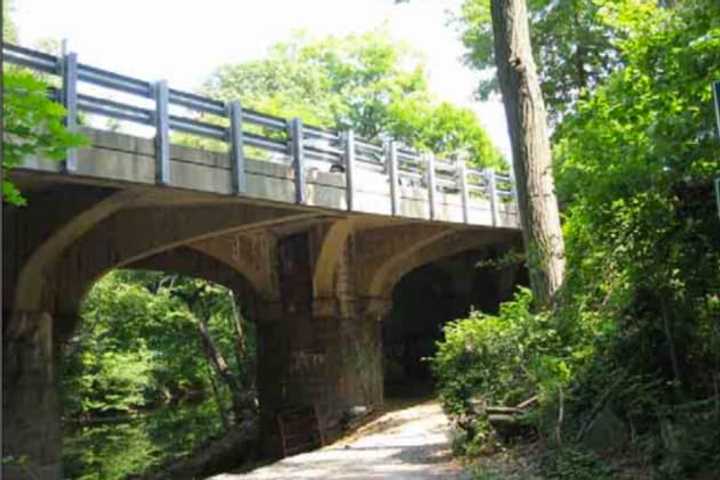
column 407, row 443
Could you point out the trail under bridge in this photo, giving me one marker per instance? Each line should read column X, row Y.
column 402, row 444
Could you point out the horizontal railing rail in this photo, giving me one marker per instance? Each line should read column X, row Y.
column 266, row 135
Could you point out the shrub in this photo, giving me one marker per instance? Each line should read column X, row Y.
column 498, row 360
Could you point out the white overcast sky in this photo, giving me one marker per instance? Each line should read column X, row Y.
column 184, row 40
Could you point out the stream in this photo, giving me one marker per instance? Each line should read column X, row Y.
column 114, row 450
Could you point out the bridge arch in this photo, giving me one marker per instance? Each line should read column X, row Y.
column 441, row 245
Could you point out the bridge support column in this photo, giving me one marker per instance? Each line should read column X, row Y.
column 31, row 410
column 330, row 358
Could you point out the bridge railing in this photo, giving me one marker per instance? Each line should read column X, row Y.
column 166, row 110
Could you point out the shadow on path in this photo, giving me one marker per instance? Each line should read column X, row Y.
column 410, row 442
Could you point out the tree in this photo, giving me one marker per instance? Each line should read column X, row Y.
column 636, row 163
column 573, row 48
column 32, row 127
column 525, row 111
column 364, row 82
column 9, row 29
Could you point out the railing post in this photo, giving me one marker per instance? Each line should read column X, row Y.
column 237, row 156
column 69, row 100
column 430, row 160
column 464, row 196
column 350, row 169
column 392, row 162
column 492, row 193
column 162, row 133
column 296, row 151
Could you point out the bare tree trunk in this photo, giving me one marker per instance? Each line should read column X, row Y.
column 527, row 123
column 218, row 400
column 244, row 361
column 222, row 369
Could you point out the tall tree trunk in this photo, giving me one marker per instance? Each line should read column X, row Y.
column 244, row 361
column 527, row 123
column 222, row 369
column 218, row 400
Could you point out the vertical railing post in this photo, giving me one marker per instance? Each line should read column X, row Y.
column 162, row 133
column 430, row 162
column 492, row 193
column 513, row 190
column 237, row 155
column 350, row 169
column 69, row 100
column 463, row 187
column 298, row 155
column 392, row 162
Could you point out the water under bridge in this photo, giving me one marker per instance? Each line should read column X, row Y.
column 313, row 228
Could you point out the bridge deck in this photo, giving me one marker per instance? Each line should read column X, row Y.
column 261, row 156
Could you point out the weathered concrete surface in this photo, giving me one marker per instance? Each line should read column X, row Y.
column 407, row 444
column 116, row 157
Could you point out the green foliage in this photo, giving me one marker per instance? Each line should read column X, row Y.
column 574, row 50
column 9, row 29
column 32, row 127
column 137, row 349
column 635, row 165
column 636, row 324
column 364, row 82
column 501, row 360
column 497, row 347
column 113, row 451
column 138, row 343
column 573, row 464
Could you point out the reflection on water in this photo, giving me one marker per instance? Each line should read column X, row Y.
column 112, row 451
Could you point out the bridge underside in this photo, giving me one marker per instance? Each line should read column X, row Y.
column 320, row 283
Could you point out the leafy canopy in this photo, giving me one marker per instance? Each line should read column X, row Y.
column 33, row 126
column 365, row 82
column 637, row 320
column 574, row 50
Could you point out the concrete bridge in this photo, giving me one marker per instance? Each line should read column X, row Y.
column 311, row 228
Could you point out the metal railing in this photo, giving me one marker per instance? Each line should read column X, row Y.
column 244, row 129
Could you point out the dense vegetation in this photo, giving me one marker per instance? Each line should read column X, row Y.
column 147, row 340
column 633, row 342
column 32, row 125
column 364, row 82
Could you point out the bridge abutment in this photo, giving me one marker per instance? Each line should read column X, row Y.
column 329, row 359
column 32, row 435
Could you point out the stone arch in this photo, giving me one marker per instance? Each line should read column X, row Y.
column 331, row 251
column 442, row 245
column 46, row 227
column 129, row 236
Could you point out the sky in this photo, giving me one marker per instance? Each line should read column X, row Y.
column 183, row 41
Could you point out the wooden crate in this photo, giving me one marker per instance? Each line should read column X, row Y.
column 300, row 429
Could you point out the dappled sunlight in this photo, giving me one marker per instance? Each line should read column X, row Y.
column 407, row 443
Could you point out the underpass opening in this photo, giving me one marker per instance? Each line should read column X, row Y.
column 426, row 299
column 158, row 364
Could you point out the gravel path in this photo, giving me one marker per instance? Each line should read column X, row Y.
column 404, row 444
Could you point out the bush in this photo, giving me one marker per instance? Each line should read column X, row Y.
column 572, row 464
column 498, row 360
